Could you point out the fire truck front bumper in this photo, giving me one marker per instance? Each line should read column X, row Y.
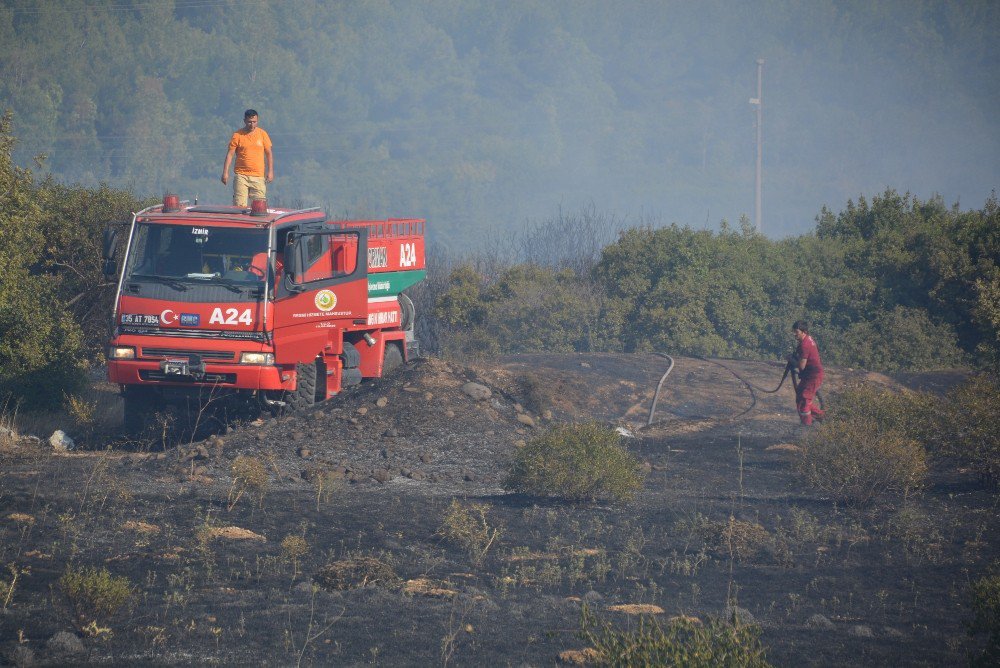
column 195, row 372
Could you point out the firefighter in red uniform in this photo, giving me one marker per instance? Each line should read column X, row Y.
column 805, row 360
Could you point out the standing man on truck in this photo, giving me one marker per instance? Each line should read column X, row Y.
column 252, row 147
column 806, row 361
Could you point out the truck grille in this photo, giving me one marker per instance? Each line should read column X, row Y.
column 177, row 352
column 208, row 378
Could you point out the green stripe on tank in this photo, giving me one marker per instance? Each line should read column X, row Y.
column 393, row 282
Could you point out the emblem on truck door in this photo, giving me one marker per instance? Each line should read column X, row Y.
column 326, row 300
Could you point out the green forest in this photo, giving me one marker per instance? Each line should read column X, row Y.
column 480, row 116
column 894, row 283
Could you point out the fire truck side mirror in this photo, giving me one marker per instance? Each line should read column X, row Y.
column 110, row 243
column 293, row 264
column 110, row 267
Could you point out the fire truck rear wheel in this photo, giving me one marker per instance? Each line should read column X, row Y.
column 304, row 394
column 393, row 359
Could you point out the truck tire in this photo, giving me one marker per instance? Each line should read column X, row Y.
column 351, row 356
column 392, row 360
column 140, row 406
column 304, row 394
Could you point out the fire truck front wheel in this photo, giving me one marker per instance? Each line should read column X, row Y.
column 304, row 394
column 140, row 405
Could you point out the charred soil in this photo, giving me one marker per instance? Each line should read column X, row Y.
column 327, row 537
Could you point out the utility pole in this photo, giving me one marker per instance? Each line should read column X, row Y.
column 758, row 102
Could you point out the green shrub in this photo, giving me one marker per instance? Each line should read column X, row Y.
column 913, row 414
column 679, row 642
column 986, row 619
column 579, row 462
column 94, row 592
column 855, row 464
column 968, row 428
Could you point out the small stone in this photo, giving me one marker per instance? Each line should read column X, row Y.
column 428, row 396
column 382, row 475
column 60, row 442
column 363, row 410
column 260, row 436
column 519, row 443
column 736, row 613
column 305, row 452
column 526, row 419
column 417, row 475
column 382, row 402
column 547, row 415
column 64, row 644
column 353, row 421
column 646, row 467
column 468, row 476
column 426, row 457
column 861, row 631
column 298, row 435
column 585, row 365
column 449, row 413
column 392, row 433
column 385, row 452
column 476, row 391
column 518, row 408
column 819, row 621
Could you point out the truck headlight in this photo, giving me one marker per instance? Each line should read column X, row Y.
column 260, row 359
column 121, row 353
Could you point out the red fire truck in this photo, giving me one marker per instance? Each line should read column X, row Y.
column 283, row 306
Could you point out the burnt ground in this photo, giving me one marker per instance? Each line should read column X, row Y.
column 367, row 481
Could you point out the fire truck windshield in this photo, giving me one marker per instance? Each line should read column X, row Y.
column 192, row 253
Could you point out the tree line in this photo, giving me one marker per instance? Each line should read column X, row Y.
column 895, row 283
column 890, row 284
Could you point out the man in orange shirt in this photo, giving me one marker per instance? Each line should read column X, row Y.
column 252, row 147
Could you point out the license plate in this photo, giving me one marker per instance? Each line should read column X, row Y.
column 176, row 368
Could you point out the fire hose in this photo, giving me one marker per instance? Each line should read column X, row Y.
column 790, row 369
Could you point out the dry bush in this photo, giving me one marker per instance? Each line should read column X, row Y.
column 468, row 527
column 94, row 592
column 250, row 478
column 577, row 462
column 536, row 394
column 739, row 538
column 855, row 464
column 679, row 642
column 293, row 548
column 355, row 572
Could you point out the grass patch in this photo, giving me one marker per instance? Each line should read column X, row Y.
column 469, row 528
column 986, row 618
column 249, row 478
column 354, row 572
column 576, row 462
column 679, row 642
